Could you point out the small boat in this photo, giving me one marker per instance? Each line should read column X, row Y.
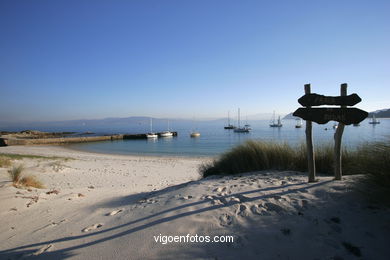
column 335, row 126
column 151, row 134
column 229, row 126
column 275, row 124
column 195, row 134
column 166, row 133
column 240, row 129
column 299, row 123
column 356, row 124
column 374, row 121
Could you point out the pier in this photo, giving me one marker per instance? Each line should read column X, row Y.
column 8, row 141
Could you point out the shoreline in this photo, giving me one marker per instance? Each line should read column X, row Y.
column 42, row 150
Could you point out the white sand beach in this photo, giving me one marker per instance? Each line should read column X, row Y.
column 98, row 206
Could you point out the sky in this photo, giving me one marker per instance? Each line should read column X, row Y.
column 91, row 59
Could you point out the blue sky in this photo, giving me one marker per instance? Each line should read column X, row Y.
column 64, row 60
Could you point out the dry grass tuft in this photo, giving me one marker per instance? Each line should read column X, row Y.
column 15, row 173
column 31, row 181
column 23, row 181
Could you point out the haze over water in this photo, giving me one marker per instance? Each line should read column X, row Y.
column 215, row 140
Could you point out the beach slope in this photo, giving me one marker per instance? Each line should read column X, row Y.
column 132, row 207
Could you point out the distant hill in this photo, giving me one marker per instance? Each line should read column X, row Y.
column 383, row 113
column 289, row 116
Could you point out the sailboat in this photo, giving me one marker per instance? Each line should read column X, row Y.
column 151, row 134
column 247, row 126
column 166, row 133
column 374, row 121
column 229, row 126
column 240, row 129
column 275, row 124
column 299, row 123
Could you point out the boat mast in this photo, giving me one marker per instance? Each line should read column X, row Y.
column 228, row 118
column 239, row 118
column 273, row 118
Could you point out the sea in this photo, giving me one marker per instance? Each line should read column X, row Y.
column 215, row 140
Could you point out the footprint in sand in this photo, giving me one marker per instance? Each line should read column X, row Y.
column 225, row 220
column 92, row 227
column 242, row 210
column 112, row 213
column 43, row 249
column 274, row 207
column 256, row 210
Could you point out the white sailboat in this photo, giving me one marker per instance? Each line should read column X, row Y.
column 167, row 133
column 240, row 129
column 247, row 126
column 273, row 123
column 374, row 121
column 151, row 134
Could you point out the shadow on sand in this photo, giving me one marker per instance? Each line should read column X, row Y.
column 135, row 225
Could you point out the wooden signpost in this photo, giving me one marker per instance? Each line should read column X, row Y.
column 346, row 116
column 343, row 115
column 318, row 100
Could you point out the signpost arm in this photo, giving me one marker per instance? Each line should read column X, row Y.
column 309, row 142
column 337, row 139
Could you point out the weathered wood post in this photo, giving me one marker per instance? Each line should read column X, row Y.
column 337, row 140
column 309, row 142
column 343, row 115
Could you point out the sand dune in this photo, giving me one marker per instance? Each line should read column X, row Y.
column 125, row 207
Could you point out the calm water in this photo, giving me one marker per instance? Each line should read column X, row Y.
column 215, row 140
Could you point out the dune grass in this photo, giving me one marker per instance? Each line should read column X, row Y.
column 15, row 173
column 5, row 162
column 371, row 159
column 18, row 180
column 258, row 155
